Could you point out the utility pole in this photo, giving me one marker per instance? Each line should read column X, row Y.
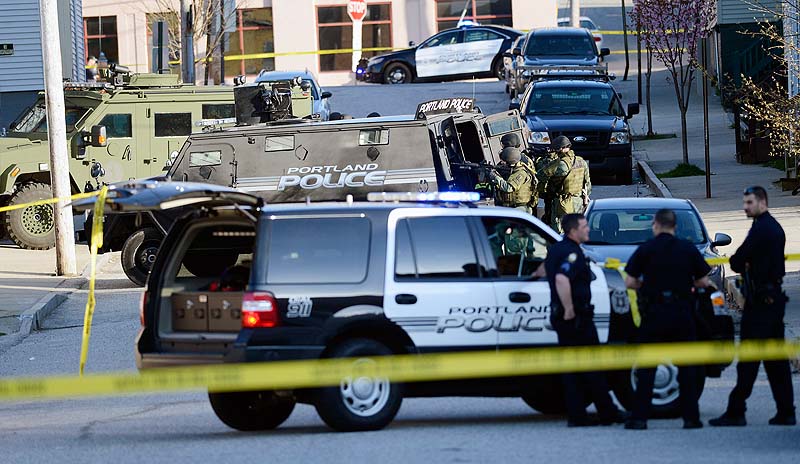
column 575, row 13
column 222, row 34
column 625, row 39
column 57, row 134
column 187, row 43
column 705, row 117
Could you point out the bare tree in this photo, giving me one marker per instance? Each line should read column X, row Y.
column 672, row 30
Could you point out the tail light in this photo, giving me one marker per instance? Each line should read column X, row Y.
column 142, row 303
column 259, row 310
column 597, row 39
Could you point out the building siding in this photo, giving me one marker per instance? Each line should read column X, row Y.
column 742, row 11
column 20, row 25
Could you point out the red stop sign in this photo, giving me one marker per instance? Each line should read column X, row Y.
column 357, row 9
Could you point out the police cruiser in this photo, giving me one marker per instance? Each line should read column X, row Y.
column 402, row 274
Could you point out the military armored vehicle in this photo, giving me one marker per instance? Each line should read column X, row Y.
column 145, row 118
column 440, row 148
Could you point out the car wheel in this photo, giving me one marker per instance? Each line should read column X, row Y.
column 252, row 410
column 139, row 253
column 499, row 69
column 666, row 390
column 31, row 228
column 546, row 395
column 397, row 73
column 361, row 403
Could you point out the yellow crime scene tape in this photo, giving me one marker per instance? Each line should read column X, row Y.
column 399, row 368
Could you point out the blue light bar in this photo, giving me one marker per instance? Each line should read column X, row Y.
column 431, row 197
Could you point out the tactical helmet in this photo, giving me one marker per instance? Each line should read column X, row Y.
column 510, row 140
column 511, row 155
column 562, row 141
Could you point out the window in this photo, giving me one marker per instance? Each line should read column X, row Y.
column 574, row 100
column 518, row 248
column 174, row 29
column 100, row 36
column 335, row 32
column 443, row 248
column 117, row 125
column 373, row 137
column 253, row 34
column 205, row 158
column 561, row 45
column 448, row 12
column 404, row 266
column 279, row 143
column 478, row 35
column 318, row 250
column 221, row 111
column 634, row 226
column 173, row 124
column 448, row 38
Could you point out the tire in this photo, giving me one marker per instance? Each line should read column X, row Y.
column 666, row 402
column 546, row 395
column 499, row 69
column 251, row 410
column 31, row 228
column 346, row 409
column 3, row 230
column 397, row 73
column 209, row 265
column 139, row 253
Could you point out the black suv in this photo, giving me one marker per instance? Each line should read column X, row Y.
column 588, row 111
column 353, row 280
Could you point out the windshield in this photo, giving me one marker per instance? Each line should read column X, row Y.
column 34, row 119
column 561, row 45
column 634, row 226
column 574, row 100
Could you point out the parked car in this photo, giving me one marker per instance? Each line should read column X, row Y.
column 586, row 23
column 510, row 66
column 463, row 52
column 320, row 99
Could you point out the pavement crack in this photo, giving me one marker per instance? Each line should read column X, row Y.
column 86, row 430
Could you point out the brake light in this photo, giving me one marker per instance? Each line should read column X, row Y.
column 142, row 303
column 596, row 39
column 259, row 310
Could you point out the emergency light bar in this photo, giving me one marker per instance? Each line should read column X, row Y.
column 432, row 197
column 214, row 122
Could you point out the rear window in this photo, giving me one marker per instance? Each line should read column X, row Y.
column 318, row 250
column 561, row 45
column 634, row 226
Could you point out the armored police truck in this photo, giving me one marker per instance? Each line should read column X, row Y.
column 125, row 129
column 441, row 148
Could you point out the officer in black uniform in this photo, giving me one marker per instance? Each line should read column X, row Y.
column 569, row 276
column 664, row 270
column 760, row 260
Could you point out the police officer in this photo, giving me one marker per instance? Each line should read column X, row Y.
column 568, row 182
column 541, row 163
column 569, row 276
column 515, row 192
column 513, row 140
column 760, row 260
column 664, row 270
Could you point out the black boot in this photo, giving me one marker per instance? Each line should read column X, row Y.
column 728, row 420
column 783, row 419
column 636, row 424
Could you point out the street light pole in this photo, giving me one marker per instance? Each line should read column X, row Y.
column 575, row 13
column 57, row 135
column 625, row 38
column 705, row 117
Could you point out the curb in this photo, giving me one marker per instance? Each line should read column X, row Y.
column 652, row 181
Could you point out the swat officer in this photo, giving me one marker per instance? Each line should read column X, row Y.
column 569, row 276
column 664, row 270
column 512, row 140
column 515, row 192
column 541, row 163
column 568, row 182
column 760, row 260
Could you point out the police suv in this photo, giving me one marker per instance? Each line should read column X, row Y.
column 350, row 280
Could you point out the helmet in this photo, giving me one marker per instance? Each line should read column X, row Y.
column 510, row 140
column 562, row 141
column 511, row 155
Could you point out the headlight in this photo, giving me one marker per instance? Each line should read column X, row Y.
column 619, row 138
column 539, row 137
column 376, row 60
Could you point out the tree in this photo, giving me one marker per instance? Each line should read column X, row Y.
column 672, row 30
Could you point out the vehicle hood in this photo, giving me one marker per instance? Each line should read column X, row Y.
column 583, row 122
column 160, row 194
column 14, row 143
column 601, row 253
column 405, row 55
column 558, row 60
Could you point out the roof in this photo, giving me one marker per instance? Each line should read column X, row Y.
column 590, row 80
column 561, row 31
column 567, row 19
column 498, row 27
column 648, row 203
column 270, row 76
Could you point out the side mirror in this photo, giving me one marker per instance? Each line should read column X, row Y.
column 411, row 43
column 633, row 108
column 98, row 137
column 721, row 240
column 326, row 95
column 605, row 51
column 516, row 52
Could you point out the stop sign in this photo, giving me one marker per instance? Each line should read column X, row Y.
column 357, row 9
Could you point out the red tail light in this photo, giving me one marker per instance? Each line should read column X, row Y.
column 597, row 39
column 259, row 310
column 142, row 304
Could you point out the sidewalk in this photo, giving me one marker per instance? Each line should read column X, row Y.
column 28, row 281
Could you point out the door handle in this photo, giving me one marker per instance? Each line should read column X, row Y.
column 519, row 297
column 405, row 299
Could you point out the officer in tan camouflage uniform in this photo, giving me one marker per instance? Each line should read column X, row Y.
column 515, row 192
column 513, row 140
column 568, row 181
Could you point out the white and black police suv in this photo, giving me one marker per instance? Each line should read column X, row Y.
column 351, row 280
